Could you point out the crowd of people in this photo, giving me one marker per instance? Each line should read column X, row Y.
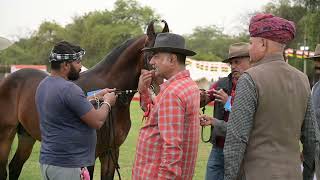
column 262, row 111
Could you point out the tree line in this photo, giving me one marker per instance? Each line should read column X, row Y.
column 101, row 31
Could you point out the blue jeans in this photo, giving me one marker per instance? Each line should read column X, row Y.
column 215, row 166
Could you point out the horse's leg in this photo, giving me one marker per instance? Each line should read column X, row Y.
column 7, row 134
column 25, row 145
column 107, row 164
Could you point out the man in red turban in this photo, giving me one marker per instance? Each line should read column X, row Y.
column 272, row 27
column 272, row 111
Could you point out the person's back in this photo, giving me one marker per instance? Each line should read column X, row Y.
column 283, row 94
column 66, row 140
column 273, row 111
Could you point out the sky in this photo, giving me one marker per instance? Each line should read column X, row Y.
column 19, row 18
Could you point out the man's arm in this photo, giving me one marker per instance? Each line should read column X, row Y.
column 145, row 100
column 171, row 125
column 204, row 97
column 239, row 126
column 144, row 91
column 220, row 126
column 309, row 139
column 79, row 104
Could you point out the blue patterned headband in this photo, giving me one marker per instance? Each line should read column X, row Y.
column 66, row 57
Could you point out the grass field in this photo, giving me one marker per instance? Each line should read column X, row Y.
column 31, row 169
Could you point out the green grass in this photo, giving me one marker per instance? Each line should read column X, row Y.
column 127, row 151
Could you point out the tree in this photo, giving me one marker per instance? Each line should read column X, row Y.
column 97, row 32
column 311, row 5
column 211, row 44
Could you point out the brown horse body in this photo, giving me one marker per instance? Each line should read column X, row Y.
column 18, row 114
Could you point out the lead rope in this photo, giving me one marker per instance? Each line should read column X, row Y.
column 202, row 129
column 111, row 128
column 109, row 150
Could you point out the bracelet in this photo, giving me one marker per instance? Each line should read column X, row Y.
column 92, row 100
column 108, row 104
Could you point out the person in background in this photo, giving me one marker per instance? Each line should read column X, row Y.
column 316, row 102
column 272, row 111
column 223, row 93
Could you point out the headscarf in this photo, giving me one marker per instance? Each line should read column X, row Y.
column 272, row 27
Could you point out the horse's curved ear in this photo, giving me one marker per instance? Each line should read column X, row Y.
column 166, row 27
column 150, row 29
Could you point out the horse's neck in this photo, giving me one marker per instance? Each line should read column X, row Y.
column 90, row 80
column 117, row 70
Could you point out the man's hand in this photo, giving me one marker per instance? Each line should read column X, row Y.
column 100, row 94
column 110, row 97
column 204, row 98
column 145, row 80
column 205, row 120
column 220, row 96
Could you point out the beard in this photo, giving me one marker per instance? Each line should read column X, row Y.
column 73, row 73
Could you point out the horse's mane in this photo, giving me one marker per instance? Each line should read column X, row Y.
column 113, row 55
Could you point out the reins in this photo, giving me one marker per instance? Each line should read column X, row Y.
column 110, row 131
column 202, row 128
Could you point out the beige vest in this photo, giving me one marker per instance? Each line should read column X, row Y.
column 273, row 150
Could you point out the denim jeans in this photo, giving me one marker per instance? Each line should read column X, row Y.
column 215, row 166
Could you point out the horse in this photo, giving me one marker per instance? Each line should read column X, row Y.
column 120, row 69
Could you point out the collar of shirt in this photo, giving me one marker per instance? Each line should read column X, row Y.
column 180, row 75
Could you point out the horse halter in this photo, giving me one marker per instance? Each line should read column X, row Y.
column 124, row 95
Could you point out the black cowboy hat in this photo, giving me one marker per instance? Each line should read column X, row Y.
column 169, row 42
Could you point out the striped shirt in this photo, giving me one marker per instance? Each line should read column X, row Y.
column 168, row 142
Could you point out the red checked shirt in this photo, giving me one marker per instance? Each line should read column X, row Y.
column 168, row 142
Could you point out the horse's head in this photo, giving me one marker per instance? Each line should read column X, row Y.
column 149, row 42
column 122, row 66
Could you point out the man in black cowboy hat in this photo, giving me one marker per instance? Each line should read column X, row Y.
column 316, row 102
column 223, row 93
column 68, row 121
column 168, row 142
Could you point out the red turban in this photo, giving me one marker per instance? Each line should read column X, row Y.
column 272, row 27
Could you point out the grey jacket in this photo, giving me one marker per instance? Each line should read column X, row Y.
column 316, row 106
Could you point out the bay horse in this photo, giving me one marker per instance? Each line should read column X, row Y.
column 120, row 69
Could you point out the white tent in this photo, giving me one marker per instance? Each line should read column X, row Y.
column 4, row 43
column 211, row 71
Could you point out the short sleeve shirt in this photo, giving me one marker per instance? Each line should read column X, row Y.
column 66, row 140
